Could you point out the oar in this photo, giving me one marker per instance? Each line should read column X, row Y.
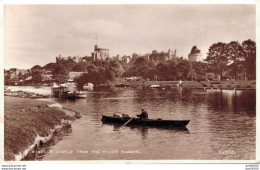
column 128, row 121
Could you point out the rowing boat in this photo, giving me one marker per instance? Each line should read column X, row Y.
column 149, row 122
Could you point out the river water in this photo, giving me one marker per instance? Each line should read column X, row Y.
column 222, row 126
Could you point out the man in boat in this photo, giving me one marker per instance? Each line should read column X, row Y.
column 143, row 115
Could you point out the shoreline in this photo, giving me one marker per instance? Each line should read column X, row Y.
column 222, row 85
column 30, row 123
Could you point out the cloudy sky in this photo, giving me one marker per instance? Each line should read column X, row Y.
column 36, row 34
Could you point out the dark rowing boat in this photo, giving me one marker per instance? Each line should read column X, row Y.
column 149, row 122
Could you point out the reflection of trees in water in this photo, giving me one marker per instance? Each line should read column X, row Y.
column 192, row 96
column 106, row 92
column 234, row 101
column 217, row 101
column 147, row 94
column 173, row 94
column 245, row 101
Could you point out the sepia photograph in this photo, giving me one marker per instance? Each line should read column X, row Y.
column 130, row 82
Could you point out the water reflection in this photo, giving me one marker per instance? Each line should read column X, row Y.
column 144, row 129
column 234, row 101
column 220, row 120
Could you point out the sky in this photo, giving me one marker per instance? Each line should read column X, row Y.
column 37, row 34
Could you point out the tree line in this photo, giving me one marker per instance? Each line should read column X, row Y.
column 233, row 59
column 227, row 60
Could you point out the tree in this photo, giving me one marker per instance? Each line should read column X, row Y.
column 69, row 64
column 249, row 48
column 50, row 66
column 184, row 69
column 116, row 68
column 173, row 69
column 235, row 54
column 154, row 52
column 20, row 76
column 81, row 80
column 200, row 69
column 7, row 77
column 217, row 58
column 36, row 76
column 36, row 67
column 162, row 71
column 80, row 67
column 60, row 73
column 140, row 68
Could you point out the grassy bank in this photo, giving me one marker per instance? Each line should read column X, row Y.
column 24, row 119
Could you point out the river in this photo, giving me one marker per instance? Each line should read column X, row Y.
column 222, row 126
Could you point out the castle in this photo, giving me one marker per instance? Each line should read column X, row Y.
column 98, row 54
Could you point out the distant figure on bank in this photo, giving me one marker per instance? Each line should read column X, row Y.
column 143, row 115
column 180, row 83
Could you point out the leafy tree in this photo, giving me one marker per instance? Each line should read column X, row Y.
column 36, row 67
column 138, row 68
column 235, row 56
column 60, row 73
column 162, row 71
column 116, row 68
column 20, row 76
column 91, row 68
column 154, row 52
column 184, row 69
column 150, row 73
column 69, row 64
column 81, row 80
column 173, row 69
column 217, row 58
column 7, row 77
column 200, row 69
column 80, row 67
column 50, row 66
column 249, row 48
column 13, row 69
column 36, row 76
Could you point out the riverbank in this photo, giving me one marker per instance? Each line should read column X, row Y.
column 29, row 123
column 229, row 85
column 25, row 93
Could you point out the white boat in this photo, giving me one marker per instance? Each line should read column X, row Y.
column 89, row 86
column 81, row 94
column 155, row 86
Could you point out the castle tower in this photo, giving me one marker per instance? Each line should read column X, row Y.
column 195, row 54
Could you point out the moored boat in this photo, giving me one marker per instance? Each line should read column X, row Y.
column 81, row 95
column 149, row 122
column 155, row 86
column 88, row 86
